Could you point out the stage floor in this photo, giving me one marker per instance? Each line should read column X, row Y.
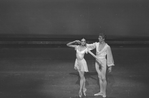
column 48, row 73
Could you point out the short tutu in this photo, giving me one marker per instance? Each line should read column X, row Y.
column 81, row 65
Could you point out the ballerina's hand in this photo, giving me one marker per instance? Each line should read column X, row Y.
column 78, row 41
column 99, row 64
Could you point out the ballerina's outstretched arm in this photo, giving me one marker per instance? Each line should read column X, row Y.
column 95, row 57
column 92, row 54
column 70, row 44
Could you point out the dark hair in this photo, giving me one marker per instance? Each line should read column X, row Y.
column 84, row 41
column 102, row 35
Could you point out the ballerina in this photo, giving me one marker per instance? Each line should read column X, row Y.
column 80, row 63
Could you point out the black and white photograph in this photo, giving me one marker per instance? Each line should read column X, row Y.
column 74, row 48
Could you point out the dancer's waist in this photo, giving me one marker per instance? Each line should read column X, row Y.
column 80, row 58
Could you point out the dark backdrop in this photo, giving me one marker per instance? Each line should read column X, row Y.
column 74, row 17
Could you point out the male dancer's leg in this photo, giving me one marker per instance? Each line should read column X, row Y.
column 102, row 79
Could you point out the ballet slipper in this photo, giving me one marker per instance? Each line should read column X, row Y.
column 98, row 94
column 84, row 91
column 80, row 94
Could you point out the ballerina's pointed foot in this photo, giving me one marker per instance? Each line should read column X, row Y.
column 84, row 91
column 80, row 94
column 104, row 96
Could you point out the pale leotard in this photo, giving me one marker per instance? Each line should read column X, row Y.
column 80, row 62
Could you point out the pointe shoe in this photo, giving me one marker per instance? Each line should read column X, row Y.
column 80, row 94
column 104, row 96
column 98, row 94
column 84, row 91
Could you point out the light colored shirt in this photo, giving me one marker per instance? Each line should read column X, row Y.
column 105, row 52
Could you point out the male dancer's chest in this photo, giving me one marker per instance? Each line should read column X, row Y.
column 100, row 46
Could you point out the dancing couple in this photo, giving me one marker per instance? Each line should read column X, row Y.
column 104, row 61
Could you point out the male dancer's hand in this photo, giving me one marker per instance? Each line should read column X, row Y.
column 110, row 69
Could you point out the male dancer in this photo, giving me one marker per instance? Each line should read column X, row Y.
column 104, row 59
